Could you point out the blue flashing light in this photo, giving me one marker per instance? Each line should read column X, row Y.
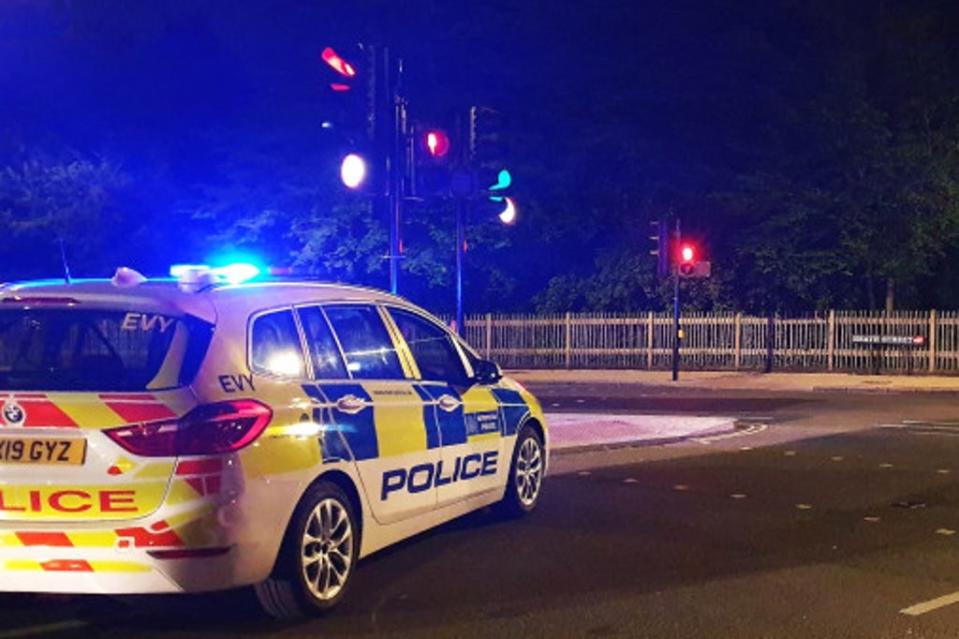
column 179, row 270
column 230, row 273
column 238, row 273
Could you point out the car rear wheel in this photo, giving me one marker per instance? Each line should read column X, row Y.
column 317, row 559
column 525, row 475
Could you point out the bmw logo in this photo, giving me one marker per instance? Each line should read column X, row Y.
column 13, row 413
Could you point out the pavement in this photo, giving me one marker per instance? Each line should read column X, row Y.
column 739, row 380
column 574, row 432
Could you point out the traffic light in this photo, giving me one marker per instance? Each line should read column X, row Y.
column 353, row 170
column 661, row 238
column 488, row 140
column 432, row 151
column 508, row 214
column 689, row 266
column 352, row 77
column 437, row 143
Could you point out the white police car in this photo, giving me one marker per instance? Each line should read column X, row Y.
column 192, row 435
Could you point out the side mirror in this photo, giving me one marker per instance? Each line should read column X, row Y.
column 486, row 372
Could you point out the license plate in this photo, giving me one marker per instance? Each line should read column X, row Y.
column 42, row 451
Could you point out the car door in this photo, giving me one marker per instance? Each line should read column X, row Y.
column 375, row 407
column 467, row 415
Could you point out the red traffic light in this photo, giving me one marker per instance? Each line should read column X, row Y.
column 337, row 63
column 687, row 253
column 437, row 143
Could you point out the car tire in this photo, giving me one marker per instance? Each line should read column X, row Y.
column 317, row 559
column 525, row 482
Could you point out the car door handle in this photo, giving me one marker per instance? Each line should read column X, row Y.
column 448, row 403
column 350, row 404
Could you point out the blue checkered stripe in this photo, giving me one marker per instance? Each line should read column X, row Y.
column 352, row 437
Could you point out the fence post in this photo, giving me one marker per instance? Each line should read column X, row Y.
column 831, row 340
column 933, row 340
column 489, row 334
column 650, row 336
column 738, row 341
column 569, row 341
column 770, row 342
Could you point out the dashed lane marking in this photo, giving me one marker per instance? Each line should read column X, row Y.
column 738, row 496
column 871, row 520
column 630, row 480
column 681, row 487
column 913, row 427
column 946, row 531
column 752, row 429
column 923, row 607
column 837, row 458
column 885, row 465
column 943, row 471
column 789, row 453
column 804, row 506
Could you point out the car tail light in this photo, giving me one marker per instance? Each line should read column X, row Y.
column 208, row 429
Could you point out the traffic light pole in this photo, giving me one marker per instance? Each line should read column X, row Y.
column 676, row 330
column 396, row 169
column 462, row 210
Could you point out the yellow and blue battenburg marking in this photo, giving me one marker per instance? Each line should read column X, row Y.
column 513, row 407
column 388, row 424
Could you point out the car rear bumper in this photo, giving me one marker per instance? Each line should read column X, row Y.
column 107, row 571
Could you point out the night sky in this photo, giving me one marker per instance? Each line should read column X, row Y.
column 619, row 111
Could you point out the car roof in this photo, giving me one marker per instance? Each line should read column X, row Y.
column 165, row 295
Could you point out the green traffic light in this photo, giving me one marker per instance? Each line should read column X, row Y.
column 503, row 180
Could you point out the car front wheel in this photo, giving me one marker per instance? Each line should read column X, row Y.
column 526, row 474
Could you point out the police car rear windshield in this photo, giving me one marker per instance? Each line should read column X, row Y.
column 98, row 350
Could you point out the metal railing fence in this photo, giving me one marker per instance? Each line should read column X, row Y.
column 853, row 341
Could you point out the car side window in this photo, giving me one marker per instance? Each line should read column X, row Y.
column 366, row 343
column 275, row 345
column 432, row 348
column 327, row 361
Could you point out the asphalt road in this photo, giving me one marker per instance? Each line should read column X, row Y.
column 827, row 522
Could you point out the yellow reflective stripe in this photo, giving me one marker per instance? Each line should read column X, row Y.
column 93, row 539
column 9, row 539
column 169, row 371
column 157, row 470
column 398, row 418
column 118, row 566
column 483, row 436
column 22, row 564
column 410, row 369
column 87, row 413
column 478, row 399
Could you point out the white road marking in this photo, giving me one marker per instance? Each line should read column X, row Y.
column 630, row 480
column 923, row 607
column 804, row 506
column 790, row 453
column 871, row 520
column 837, row 458
column 580, row 401
column 945, row 531
column 680, row 487
column 885, row 465
column 752, row 429
column 33, row 631
column 584, row 473
column 738, row 496
column 943, row 471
